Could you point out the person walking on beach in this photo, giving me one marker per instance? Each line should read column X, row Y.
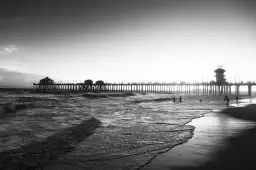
column 236, row 99
column 180, row 99
column 227, row 100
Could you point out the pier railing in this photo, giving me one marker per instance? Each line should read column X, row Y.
column 171, row 88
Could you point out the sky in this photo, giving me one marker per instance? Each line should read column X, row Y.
column 129, row 40
column 9, row 79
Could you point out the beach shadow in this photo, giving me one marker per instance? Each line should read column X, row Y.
column 239, row 151
column 239, row 154
column 38, row 154
column 246, row 113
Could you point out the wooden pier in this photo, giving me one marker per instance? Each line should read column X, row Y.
column 170, row 88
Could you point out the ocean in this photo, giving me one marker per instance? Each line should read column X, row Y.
column 77, row 131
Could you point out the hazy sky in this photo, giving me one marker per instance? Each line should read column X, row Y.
column 129, row 40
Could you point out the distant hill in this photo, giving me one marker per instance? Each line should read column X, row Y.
column 15, row 79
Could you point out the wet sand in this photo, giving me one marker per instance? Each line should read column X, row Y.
column 214, row 135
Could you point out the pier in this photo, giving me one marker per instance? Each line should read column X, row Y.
column 170, row 88
column 218, row 87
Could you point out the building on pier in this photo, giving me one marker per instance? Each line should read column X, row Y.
column 46, row 81
column 220, row 77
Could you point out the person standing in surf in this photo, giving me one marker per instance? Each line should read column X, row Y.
column 201, row 101
column 180, row 99
column 227, row 100
column 236, row 99
column 174, row 99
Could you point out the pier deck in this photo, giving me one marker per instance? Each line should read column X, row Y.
column 171, row 88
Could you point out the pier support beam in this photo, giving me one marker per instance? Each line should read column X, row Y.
column 249, row 90
column 237, row 89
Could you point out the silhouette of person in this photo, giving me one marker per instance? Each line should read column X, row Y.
column 180, row 99
column 201, row 100
column 174, row 99
column 237, row 99
column 227, row 100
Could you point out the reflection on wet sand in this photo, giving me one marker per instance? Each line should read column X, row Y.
column 218, row 140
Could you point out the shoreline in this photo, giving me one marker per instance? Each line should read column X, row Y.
column 196, row 151
column 147, row 165
column 144, row 167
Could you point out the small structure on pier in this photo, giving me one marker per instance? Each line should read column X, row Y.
column 87, row 85
column 46, row 81
column 99, row 85
column 220, row 77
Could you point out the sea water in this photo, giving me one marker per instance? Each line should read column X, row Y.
column 133, row 129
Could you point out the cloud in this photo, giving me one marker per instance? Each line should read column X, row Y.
column 8, row 49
